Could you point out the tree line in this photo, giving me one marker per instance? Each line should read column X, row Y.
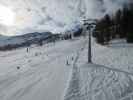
column 117, row 25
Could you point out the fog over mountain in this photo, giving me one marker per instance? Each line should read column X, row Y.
column 54, row 15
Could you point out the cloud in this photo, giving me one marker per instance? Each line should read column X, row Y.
column 55, row 15
column 113, row 5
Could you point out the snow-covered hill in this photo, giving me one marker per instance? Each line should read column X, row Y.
column 12, row 42
column 40, row 74
column 58, row 71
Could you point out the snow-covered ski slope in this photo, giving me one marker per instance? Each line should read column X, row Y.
column 59, row 71
column 40, row 74
column 110, row 77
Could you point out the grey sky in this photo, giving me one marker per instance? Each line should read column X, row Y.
column 55, row 15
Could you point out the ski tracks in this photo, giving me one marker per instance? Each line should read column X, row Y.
column 98, row 82
column 73, row 91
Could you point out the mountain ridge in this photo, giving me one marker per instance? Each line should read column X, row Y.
column 13, row 42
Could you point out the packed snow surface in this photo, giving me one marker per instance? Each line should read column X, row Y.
column 39, row 74
column 59, row 71
column 109, row 77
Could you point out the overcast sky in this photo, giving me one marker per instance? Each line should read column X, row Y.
column 53, row 15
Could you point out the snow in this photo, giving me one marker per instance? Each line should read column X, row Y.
column 59, row 71
column 43, row 73
column 109, row 77
column 117, row 55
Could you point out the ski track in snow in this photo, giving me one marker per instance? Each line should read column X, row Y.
column 47, row 72
column 43, row 72
column 104, row 80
